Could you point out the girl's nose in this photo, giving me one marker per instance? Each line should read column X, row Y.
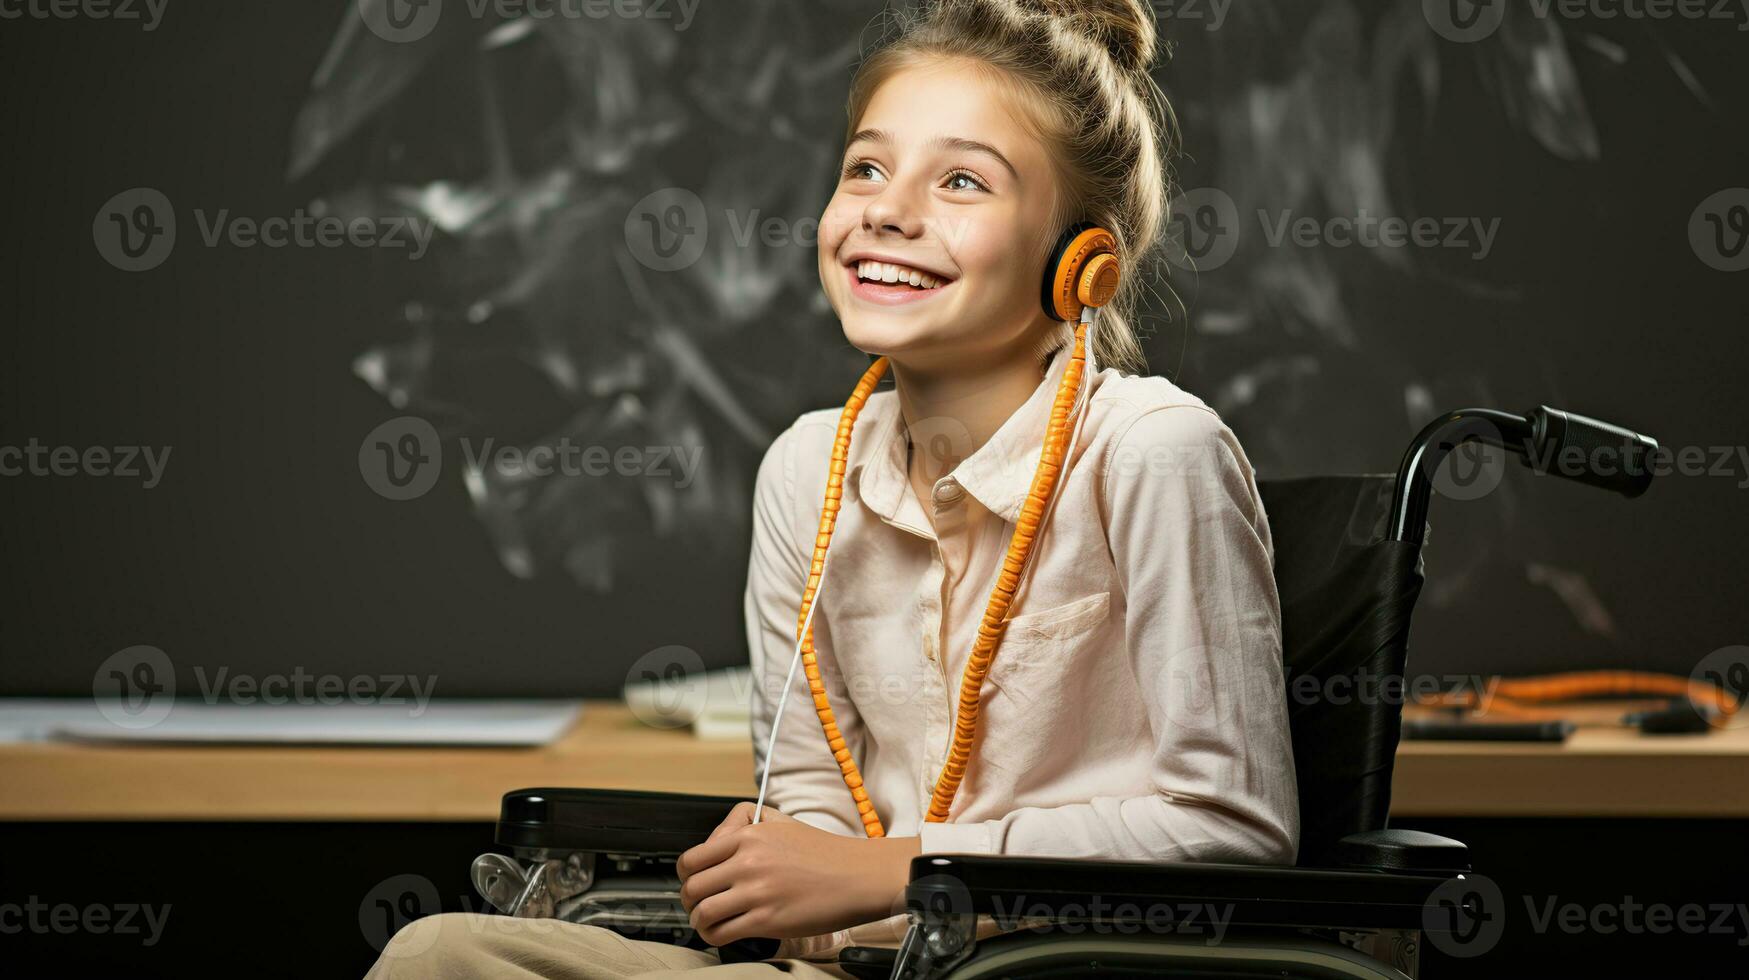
column 891, row 213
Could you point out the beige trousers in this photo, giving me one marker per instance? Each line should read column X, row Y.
column 457, row 945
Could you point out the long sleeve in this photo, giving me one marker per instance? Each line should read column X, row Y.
column 805, row 780
column 1194, row 558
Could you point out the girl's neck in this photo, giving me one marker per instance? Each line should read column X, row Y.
column 966, row 402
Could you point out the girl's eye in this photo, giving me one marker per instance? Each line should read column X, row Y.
column 861, row 170
column 963, row 180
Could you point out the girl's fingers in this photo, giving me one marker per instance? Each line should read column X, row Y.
column 711, row 853
column 740, row 816
column 704, row 883
column 715, row 917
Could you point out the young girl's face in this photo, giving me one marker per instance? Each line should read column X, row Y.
column 932, row 247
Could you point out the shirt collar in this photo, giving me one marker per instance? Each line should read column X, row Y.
column 999, row 474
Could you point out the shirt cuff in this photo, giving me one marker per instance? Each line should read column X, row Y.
column 955, row 838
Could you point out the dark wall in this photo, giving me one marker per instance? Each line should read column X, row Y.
column 265, row 546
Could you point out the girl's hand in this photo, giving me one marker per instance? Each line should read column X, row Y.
column 782, row 878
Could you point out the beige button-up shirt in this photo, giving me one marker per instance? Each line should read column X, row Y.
column 1135, row 708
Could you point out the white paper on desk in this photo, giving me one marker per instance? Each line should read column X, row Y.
column 458, row 723
column 718, row 704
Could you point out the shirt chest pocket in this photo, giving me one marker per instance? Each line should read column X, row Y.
column 1036, row 690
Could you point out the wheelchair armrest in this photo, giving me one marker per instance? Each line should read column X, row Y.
column 1266, row 896
column 1403, row 851
column 609, row 820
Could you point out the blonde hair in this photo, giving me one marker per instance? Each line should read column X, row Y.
column 1083, row 68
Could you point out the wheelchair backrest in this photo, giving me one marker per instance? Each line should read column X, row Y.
column 1346, row 597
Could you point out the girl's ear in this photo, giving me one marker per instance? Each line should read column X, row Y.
column 1075, row 273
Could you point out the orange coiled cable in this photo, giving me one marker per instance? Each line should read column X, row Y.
column 810, row 664
column 1508, row 694
column 990, row 630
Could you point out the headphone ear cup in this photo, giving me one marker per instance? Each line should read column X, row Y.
column 1064, row 293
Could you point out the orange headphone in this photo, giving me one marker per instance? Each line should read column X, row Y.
column 1081, row 275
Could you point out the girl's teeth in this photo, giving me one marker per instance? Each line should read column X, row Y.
column 887, row 272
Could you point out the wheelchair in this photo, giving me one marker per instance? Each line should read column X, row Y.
column 1361, row 897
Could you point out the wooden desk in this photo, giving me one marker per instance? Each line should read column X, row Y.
column 1597, row 773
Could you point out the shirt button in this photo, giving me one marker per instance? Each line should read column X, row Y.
column 948, row 492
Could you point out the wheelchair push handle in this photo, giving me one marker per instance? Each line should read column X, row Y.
column 1548, row 440
column 1590, row 451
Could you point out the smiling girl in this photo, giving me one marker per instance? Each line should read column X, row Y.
column 1133, row 705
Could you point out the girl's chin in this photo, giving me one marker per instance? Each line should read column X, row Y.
column 892, row 333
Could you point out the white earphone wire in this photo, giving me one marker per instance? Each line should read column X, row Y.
column 789, row 681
